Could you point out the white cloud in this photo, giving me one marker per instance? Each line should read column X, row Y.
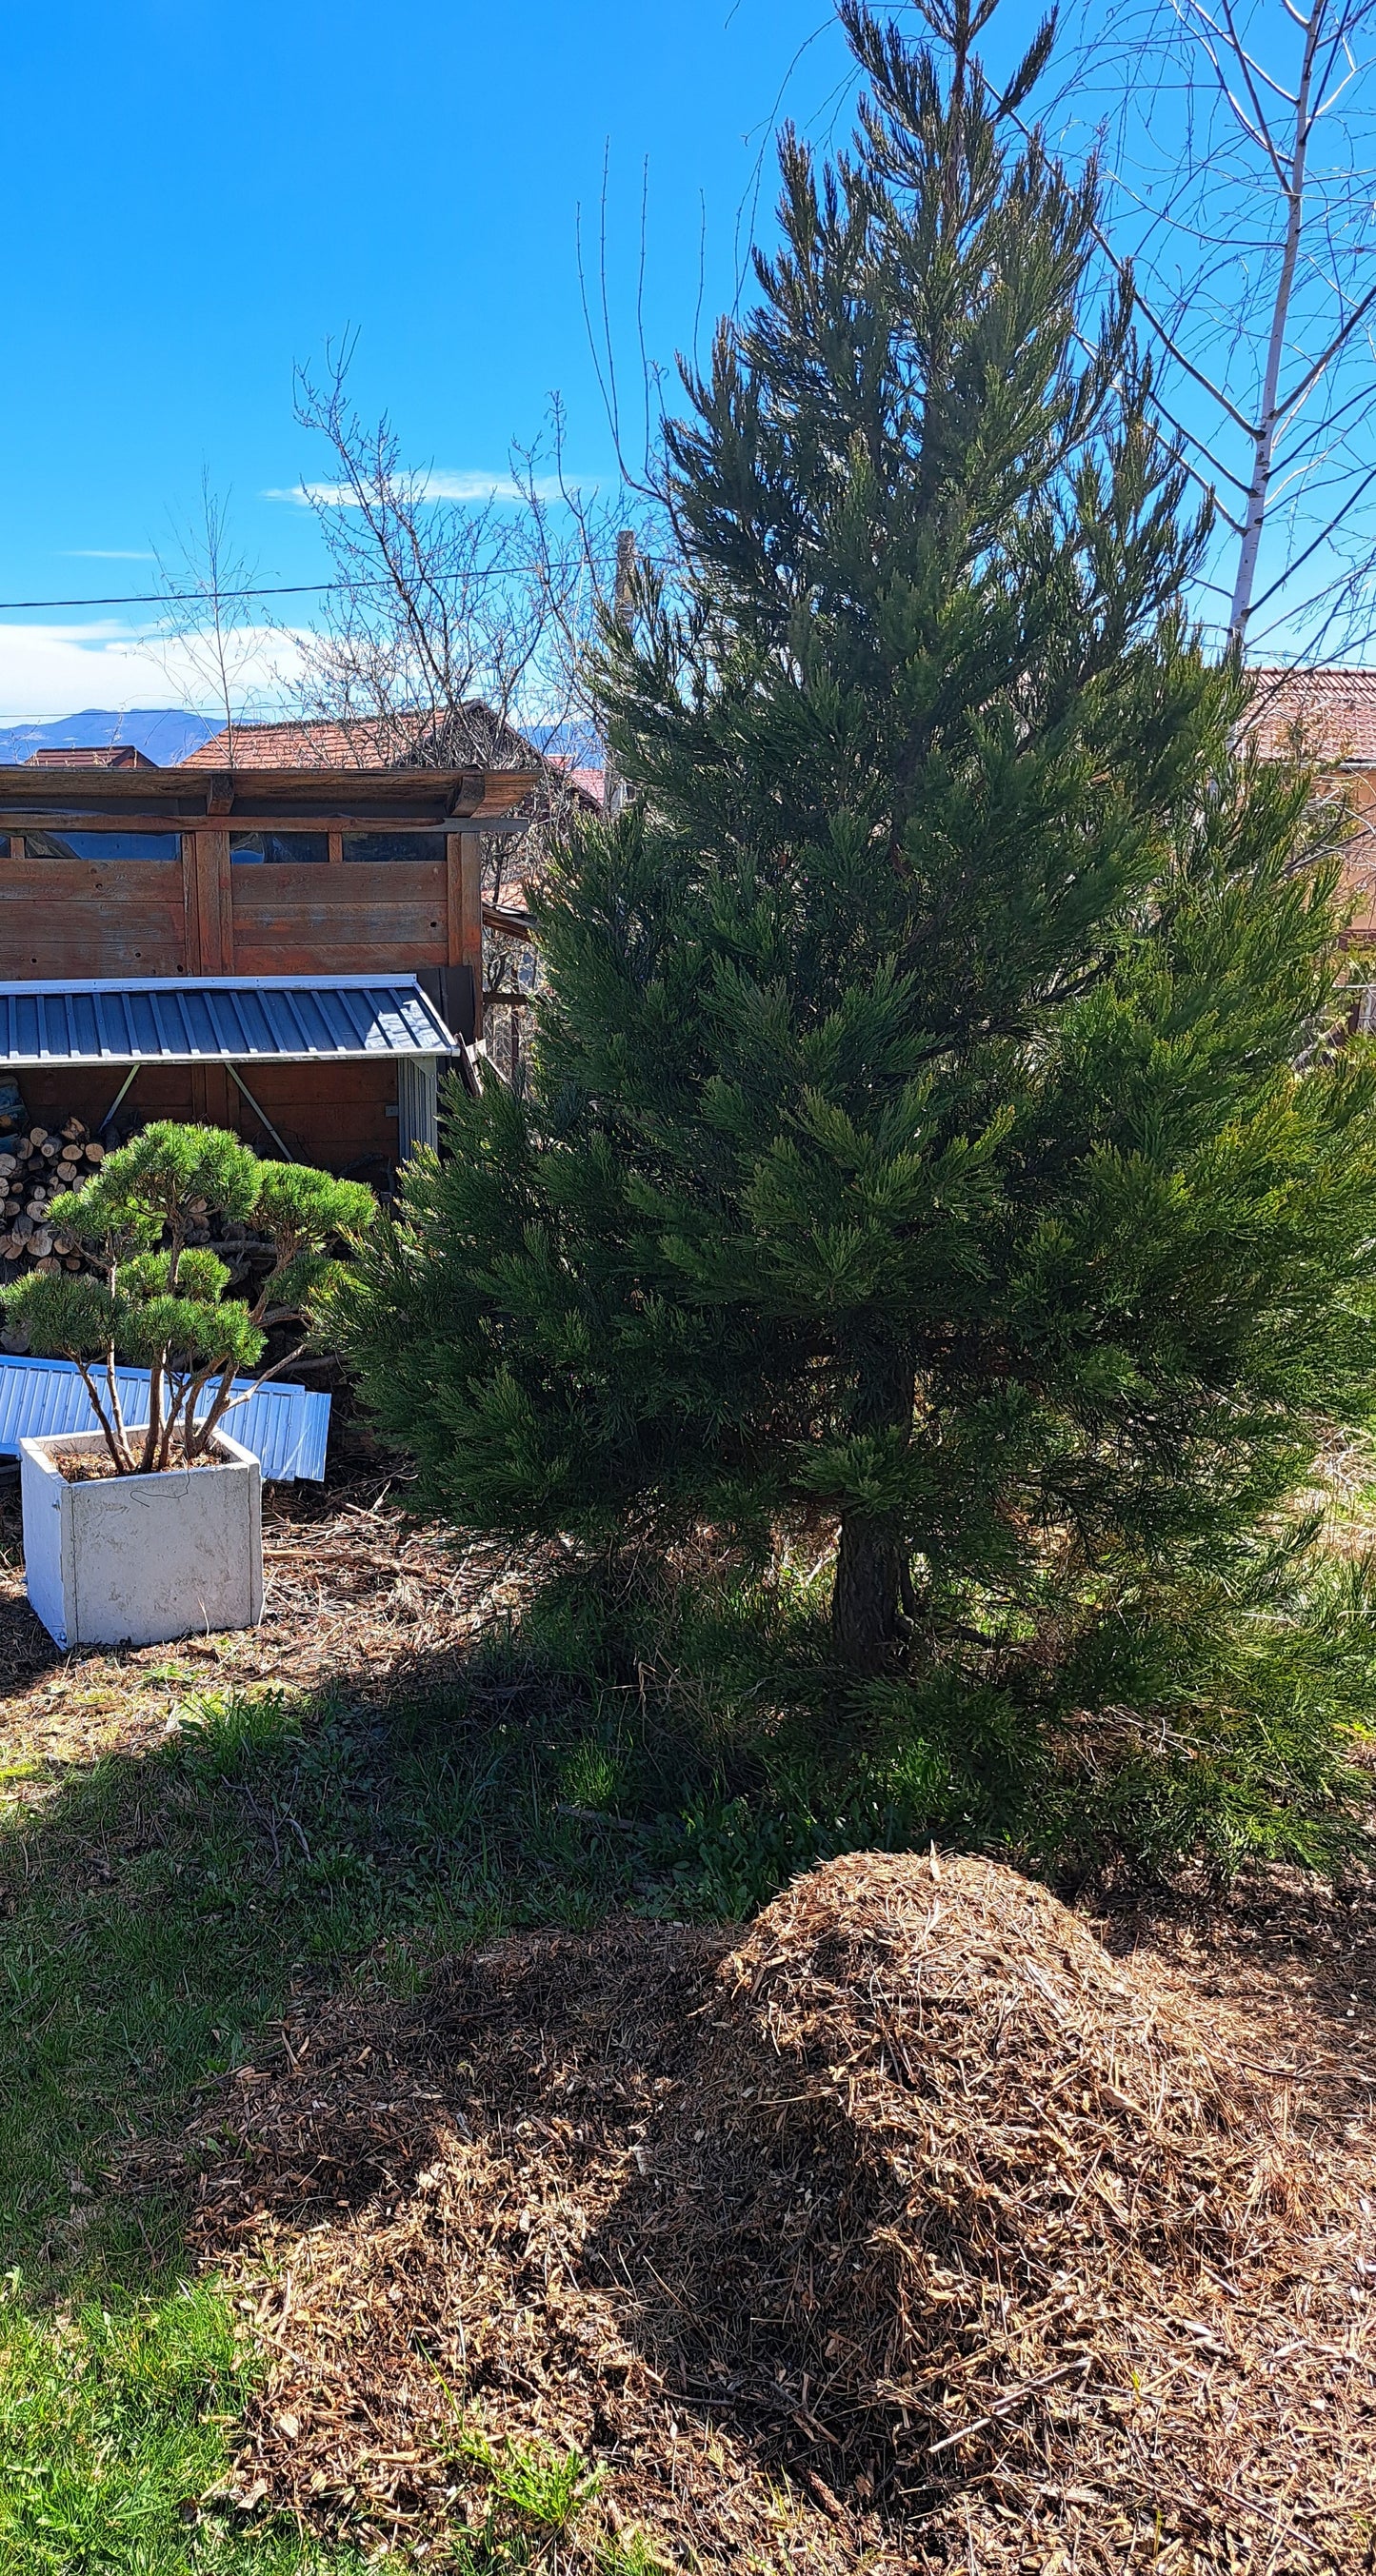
column 435, row 486
column 107, row 554
column 53, row 670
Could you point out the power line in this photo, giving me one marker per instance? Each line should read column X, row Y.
column 171, row 598
column 267, row 590
column 264, row 590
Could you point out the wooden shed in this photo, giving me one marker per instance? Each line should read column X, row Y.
column 141, row 877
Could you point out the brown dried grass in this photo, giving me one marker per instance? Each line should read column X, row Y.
column 356, row 1596
column 913, row 2231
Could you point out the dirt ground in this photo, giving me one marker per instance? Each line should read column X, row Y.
column 352, row 1594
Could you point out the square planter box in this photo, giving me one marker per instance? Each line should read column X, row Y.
column 138, row 1560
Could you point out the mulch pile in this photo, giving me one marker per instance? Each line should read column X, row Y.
column 913, row 2231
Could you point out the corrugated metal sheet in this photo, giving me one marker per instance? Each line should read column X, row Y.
column 286, row 1427
column 222, row 1018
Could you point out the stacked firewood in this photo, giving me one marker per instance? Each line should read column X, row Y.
column 36, row 1165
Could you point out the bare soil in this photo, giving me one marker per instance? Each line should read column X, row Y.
column 90, row 1466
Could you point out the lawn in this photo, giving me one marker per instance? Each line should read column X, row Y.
column 188, row 1847
column 203, row 1848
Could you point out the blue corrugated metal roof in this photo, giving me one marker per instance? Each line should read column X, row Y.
column 286, row 1427
column 225, row 1018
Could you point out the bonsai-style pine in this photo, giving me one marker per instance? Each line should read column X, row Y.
column 158, row 1301
column 913, row 1142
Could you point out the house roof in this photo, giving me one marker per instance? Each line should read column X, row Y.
column 219, row 1019
column 105, row 755
column 1329, row 715
column 313, row 744
column 474, row 734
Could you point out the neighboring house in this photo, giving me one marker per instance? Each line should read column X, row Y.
column 1329, row 717
column 106, row 755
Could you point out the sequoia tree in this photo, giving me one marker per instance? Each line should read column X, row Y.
column 913, row 1141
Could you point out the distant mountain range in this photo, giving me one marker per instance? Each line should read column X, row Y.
column 164, row 734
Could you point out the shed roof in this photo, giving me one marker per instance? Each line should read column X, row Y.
column 223, row 1019
column 189, row 800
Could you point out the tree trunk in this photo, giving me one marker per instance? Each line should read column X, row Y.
column 865, row 1595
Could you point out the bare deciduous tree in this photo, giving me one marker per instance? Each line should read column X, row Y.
column 1241, row 149
column 210, row 634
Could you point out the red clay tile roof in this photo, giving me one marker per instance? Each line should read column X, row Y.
column 317, row 743
column 296, row 745
column 1329, row 715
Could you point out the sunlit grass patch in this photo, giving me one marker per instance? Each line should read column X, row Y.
column 115, row 2425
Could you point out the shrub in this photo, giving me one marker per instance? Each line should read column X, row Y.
column 159, row 1301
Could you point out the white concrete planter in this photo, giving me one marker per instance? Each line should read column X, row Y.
column 137, row 1560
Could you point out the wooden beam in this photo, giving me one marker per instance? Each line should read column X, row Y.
column 214, row 916
column 466, row 914
column 191, row 950
column 182, row 800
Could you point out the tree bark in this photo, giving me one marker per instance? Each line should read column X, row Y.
column 865, row 1595
column 871, row 1556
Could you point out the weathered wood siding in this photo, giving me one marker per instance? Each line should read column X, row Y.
column 207, row 916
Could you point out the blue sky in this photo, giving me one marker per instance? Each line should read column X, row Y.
column 201, row 194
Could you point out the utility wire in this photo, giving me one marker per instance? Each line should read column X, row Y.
column 273, row 590
column 207, row 598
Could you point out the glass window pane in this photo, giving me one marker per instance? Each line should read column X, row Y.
column 378, row 846
column 280, row 849
column 103, row 845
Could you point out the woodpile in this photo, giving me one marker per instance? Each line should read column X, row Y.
column 36, row 1165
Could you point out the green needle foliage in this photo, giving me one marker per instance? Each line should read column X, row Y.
column 914, row 1143
column 158, row 1301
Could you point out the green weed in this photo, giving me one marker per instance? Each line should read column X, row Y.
column 113, row 2426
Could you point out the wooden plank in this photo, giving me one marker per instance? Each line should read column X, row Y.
column 190, row 916
column 471, row 920
column 213, row 1095
column 73, row 917
column 453, row 881
column 324, row 800
column 214, row 917
column 368, row 915
column 336, row 849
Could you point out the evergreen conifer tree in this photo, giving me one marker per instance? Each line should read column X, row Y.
column 912, row 1138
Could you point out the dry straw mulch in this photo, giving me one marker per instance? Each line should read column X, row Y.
column 356, row 1597
column 912, row 2231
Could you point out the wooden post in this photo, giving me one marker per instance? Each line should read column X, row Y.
column 463, row 852
column 209, row 904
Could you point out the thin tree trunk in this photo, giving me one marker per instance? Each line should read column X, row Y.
column 1263, row 454
column 871, row 1555
column 865, row 1597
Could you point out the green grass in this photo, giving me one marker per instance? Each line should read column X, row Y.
column 680, row 1750
column 113, row 2426
column 158, row 1912
column 155, row 1914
